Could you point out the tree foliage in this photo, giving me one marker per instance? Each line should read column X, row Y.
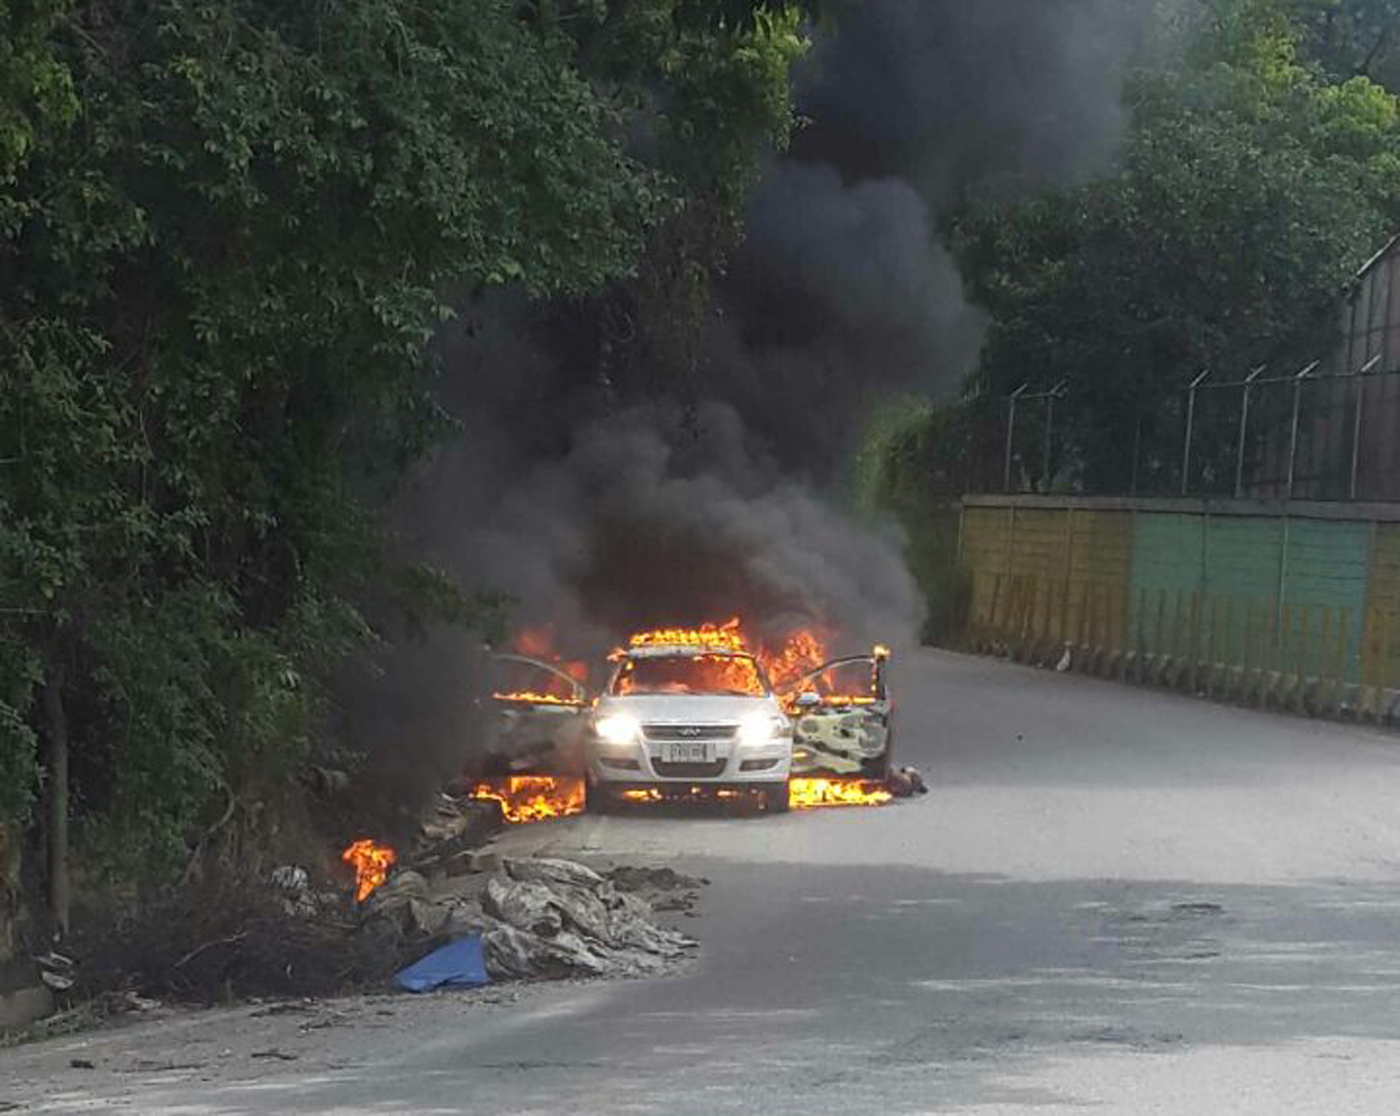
column 1252, row 181
column 715, row 95
column 228, row 232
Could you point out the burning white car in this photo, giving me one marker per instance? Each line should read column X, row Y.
column 687, row 710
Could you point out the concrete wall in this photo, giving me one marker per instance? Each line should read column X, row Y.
column 1250, row 596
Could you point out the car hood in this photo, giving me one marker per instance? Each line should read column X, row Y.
column 687, row 708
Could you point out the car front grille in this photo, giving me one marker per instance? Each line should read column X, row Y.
column 690, row 732
column 689, row 770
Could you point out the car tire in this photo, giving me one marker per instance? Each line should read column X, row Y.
column 599, row 799
column 776, row 800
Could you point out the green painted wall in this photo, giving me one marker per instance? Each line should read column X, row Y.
column 1252, row 605
column 1259, row 591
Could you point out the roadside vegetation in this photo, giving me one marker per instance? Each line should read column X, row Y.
column 1260, row 167
column 228, row 233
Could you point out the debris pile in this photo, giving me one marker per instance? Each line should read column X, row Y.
column 538, row 918
column 906, row 782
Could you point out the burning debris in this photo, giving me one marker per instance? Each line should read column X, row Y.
column 812, row 794
column 371, row 862
column 533, row 798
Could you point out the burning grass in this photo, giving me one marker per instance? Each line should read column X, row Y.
column 533, row 798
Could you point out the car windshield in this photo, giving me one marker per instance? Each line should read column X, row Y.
column 735, row 675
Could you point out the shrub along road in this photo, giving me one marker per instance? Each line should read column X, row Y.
column 1113, row 898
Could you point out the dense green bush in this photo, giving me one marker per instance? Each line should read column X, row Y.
column 228, row 232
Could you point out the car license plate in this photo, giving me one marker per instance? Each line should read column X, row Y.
column 690, row 751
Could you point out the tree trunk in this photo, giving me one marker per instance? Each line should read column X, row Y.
column 9, row 890
column 56, row 729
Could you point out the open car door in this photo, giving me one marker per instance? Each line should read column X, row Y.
column 841, row 715
column 537, row 724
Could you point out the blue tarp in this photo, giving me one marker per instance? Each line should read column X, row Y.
column 461, row 963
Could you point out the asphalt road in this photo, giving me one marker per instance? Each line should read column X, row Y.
column 1114, row 900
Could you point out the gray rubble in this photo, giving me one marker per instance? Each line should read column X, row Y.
column 539, row 918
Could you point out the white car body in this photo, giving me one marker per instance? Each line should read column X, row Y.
column 688, row 739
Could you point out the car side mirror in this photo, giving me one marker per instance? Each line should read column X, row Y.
column 808, row 700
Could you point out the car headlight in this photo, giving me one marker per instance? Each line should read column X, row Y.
column 618, row 728
column 760, row 728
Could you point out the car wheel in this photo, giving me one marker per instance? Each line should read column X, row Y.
column 776, row 800
column 599, row 799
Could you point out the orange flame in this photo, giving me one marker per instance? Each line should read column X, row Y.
column 531, row 697
column 803, row 651
column 811, row 794
column 371, row 862
column 532, row 798
column 722, row 672
column 538, row 643
column 712, row 637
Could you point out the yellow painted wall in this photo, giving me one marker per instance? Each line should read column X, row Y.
column 1055, row 573
column 1380, row 653
column 1311, row 595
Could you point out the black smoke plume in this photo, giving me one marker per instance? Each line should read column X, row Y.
column 600, row 518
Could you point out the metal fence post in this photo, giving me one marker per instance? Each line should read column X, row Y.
column 1011, row 433
column 1293, row 437
column 1244, row 430
column 1190, row 426
column 1050, row 397
column 1356, row 424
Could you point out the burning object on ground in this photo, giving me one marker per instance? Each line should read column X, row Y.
column 532, row 798
column 812, row 794
column 371, row 862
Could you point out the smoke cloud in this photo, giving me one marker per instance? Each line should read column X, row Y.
column 844, row 290
column 657, row 516
column 599, row 521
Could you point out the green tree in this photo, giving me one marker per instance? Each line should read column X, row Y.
column 710, row 83
column 1249, row 188
column 228, row 234
column 35, row 90
column 217, row 285
column 1351, row 38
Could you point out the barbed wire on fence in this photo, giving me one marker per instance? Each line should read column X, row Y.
column 1304, row 434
